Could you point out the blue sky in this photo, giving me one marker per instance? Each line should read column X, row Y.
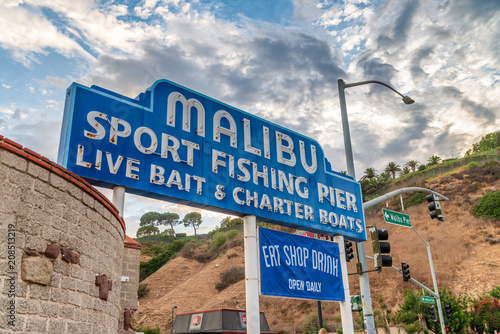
column 279, row 60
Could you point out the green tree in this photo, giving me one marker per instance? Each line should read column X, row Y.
column 404, row 171
column 488, row 142
column 168, row 218
column 433, row 160
column 392, row 168
column 413, row 164
column 412, row 313
column 146, row 230
column 149, row 218
column 192, row 219
column 230, row 223
column 370, row 173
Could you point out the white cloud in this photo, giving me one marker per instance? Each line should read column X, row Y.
column 26, row 33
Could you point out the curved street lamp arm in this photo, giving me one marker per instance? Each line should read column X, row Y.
column 372, row 81
column 382, row 198
column 406, row 99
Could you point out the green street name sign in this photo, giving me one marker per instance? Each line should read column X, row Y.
column 428, row 300
column 396, row 218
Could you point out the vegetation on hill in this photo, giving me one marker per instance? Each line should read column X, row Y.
column 147, row 268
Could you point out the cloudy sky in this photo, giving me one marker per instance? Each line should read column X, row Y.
column 277, row 59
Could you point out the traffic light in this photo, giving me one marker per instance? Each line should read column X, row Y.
column 432, row 313
column 349, row 253
column 434, row 207
column 406, row 271
column 447, row 310
column 380, row 248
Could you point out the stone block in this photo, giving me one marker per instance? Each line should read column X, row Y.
column 68, row 283
column 52, row 251
column 40, row 292
column 38, row 172
column 49, row 310
column 36, row 325
column 13, row 160
column 58, row 182
column 36, row 270
column 69, row 256
column 35, row 243
column 57, row 326
column 50, row 234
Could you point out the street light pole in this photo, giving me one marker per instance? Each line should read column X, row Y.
column 363, row 277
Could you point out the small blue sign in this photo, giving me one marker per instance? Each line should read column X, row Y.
column 174, row 144
column 293, row 266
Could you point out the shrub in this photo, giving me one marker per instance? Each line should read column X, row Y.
column 143, row 290
column 148, row 330
column 488, row 206
column 486, row 318
column 230, row 276
column 416, row 199
column 473, row 164
column 148, row 268
column 311, row 324
column 231, row 234
column 219, row 239
column 421, row 168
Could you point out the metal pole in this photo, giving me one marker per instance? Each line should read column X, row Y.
column 320, row 315
column 251, row 275
column 119, row 198
column 364, row 282
column 345, row 306
column 434, row 281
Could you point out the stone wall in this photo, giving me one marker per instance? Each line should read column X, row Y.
column 61, row 249
column 130, row 281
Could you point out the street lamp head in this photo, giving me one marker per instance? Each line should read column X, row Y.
column 408, row 100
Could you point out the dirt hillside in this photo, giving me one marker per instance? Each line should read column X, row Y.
column 465, row 251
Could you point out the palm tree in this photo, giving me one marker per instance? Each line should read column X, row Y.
column 434, row 160
column 404, row 171
column 392, row 168
column 412, row 164
column 370, row 173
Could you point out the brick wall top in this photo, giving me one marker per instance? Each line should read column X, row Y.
column 51, row 166
column 131, row 243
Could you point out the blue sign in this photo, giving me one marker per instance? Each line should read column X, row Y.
column 175, row 144
column 293, row 266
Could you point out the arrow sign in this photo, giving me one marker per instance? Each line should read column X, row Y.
column 428, row 300
column 396, row 218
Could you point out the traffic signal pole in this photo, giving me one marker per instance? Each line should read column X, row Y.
column 435, row 293
column 434, row 281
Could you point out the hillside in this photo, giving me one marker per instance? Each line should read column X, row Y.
column 465, row 250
